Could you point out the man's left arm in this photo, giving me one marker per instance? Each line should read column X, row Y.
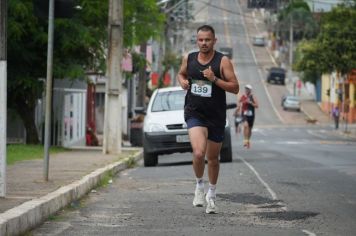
column 255, row 102
column 229, row 82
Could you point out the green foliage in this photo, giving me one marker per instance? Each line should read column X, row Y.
column 335, row 47
column 80, row 45
column 139, row 61
column 337, row 39
column 20, row 152
column 104, row 180
column 143, row 21
column 130, row 162
column 304, row 24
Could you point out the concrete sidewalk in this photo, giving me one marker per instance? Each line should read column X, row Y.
column 72, row 174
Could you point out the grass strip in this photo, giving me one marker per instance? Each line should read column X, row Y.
column 22, row 152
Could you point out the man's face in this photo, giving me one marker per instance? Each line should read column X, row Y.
column 206, row 41
column 247, row 91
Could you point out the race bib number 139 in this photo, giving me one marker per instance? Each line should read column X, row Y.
column 201, row 88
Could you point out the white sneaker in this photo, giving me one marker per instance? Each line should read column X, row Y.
column 211, row 208
column 198, row 197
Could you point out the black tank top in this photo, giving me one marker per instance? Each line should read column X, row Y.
column 211, row 109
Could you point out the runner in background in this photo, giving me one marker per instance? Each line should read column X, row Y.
column 247, row 105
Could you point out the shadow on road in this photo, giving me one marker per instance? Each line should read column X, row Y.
column 181, row 163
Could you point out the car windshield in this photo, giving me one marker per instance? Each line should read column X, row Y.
column 295, row 99
column 169, row 101
column 276, row 73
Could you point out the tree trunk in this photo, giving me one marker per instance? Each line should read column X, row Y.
column 27, row 113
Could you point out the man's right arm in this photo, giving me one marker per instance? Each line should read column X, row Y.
column 182, row 74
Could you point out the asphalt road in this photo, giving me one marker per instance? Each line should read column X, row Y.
column 295, row 180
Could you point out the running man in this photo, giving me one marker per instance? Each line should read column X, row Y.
column 206, row 75
column 247, row 103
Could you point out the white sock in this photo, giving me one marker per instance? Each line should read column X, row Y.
column 200, row 183
column 212, row 190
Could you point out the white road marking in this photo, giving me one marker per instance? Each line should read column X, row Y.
column 307, row 232
column 269, row 189
column 291, row 142
column 260, row 131
column 312, row 132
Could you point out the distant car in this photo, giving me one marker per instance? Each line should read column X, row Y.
column 164, row 128
column 291, row 103
column 226, row 51
column 276, row 75
column 259, row 41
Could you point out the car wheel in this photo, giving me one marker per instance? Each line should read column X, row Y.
column 226, row 151
column 150, row 159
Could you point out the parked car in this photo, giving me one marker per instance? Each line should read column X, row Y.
column 226, row 51
column 164, row 128
column 291, row 103
column 276, row 75
column 259, row 41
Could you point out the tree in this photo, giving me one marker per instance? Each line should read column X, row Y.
column 337, row 39
column 79, row 46
column 335, row 48
column 143, row 20
column 304, row 25
column 307, row 61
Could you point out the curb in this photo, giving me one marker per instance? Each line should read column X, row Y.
column 28, row 215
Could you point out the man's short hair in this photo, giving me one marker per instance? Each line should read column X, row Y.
column 206, row 28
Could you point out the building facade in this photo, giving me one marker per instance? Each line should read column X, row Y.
column 339, row 91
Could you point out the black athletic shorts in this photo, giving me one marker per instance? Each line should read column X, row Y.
column 250, row 120
column 215, row 134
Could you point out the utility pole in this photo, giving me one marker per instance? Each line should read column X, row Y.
column 291, row 53
column 113, row 96
column 141, row 93
column 47, row 134
column 3, row 95
column 291, row 47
